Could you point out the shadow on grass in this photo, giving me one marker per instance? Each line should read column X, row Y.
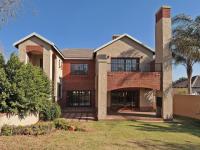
column 163, row 145
column 180, row 125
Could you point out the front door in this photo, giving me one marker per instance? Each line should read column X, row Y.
column 79, row 98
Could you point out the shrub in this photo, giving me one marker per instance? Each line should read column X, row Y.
column 7, row 130
column 50, row 111
column 40, row 128
column 55, row 111
column 61, row 124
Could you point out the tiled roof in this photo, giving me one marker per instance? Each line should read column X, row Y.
column 82, row 53
column 184, row 83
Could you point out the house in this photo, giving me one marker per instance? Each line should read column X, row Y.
column 121, row 73
column 181, row 86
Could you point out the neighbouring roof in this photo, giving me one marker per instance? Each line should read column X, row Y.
column 130, row 37
column 184, row 84
column 78, row 53
column 41, row 38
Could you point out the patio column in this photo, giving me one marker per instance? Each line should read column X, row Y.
column 102, row 88
column 47, row 62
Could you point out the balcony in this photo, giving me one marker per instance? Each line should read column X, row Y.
column 144, row 76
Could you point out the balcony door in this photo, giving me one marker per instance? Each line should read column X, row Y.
column 124, row 64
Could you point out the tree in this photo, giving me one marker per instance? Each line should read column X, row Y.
column 2, row 61
column 33, row 89
column 24, row 88
column 185, row 43
column 4, row 90
column 8, row 8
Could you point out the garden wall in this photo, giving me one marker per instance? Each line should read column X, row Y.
column 16, row 120
column 187, row 105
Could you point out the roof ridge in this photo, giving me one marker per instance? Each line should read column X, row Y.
column 194, row 81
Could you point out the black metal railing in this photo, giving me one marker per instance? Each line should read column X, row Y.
column 137, row 67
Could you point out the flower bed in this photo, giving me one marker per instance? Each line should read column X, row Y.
column 40, row 128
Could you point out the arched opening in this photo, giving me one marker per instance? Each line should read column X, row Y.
column 132, row 101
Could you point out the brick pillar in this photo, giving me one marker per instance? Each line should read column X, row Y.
column 164, row 57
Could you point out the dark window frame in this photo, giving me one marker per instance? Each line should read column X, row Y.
column 81, row 71
column 79, row 98
column 126, row 64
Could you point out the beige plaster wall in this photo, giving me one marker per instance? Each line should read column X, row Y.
column 58, row 76
column 17, row 121
column 147, row 99
column 35, row 59
column 125, row 47
column 47, row 53
column 102, row 89
column 164, row 56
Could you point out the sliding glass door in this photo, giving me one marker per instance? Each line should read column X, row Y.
column 79, row 98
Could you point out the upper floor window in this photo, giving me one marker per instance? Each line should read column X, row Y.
column 79, row 69
column 124, row 64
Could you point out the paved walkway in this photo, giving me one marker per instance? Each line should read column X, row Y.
column 80, row 116
column 88, row 114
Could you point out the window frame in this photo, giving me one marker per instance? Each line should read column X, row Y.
column 80, row 98
column 77, row 74
column 124, row 64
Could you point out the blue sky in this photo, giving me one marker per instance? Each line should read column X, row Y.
column 91, row 23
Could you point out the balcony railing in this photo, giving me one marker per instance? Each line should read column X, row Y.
column 136, row 67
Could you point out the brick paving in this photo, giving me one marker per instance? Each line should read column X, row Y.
column 87, row 114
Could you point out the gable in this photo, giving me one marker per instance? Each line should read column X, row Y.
column 127, row 36
column 36, row 39
column 126, row 47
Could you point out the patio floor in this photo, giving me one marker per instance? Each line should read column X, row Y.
column 79, row 114
column 89, row 114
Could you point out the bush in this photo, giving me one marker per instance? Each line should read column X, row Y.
column 50, row 111
column 7, row 130
column 61, row 124
column 40, row 128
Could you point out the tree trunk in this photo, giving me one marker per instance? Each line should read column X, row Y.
column 189, row 75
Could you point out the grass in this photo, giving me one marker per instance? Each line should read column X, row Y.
column 183, row 134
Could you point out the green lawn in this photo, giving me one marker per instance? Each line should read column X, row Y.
column 115, row 135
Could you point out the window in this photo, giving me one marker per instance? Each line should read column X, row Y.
column 79, row 69
column 79, row 98
column 41, row 63
column 124, row 64
column 124, row 98
column 59, row 90
column 60, row 63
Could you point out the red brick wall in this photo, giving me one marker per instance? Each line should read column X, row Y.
column 117, row 80
column 187, row 105
column 34, row 48
column 163, row 13
column 78, row 82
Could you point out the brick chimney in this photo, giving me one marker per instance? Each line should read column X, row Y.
column 115, row 36
column 163, row 35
